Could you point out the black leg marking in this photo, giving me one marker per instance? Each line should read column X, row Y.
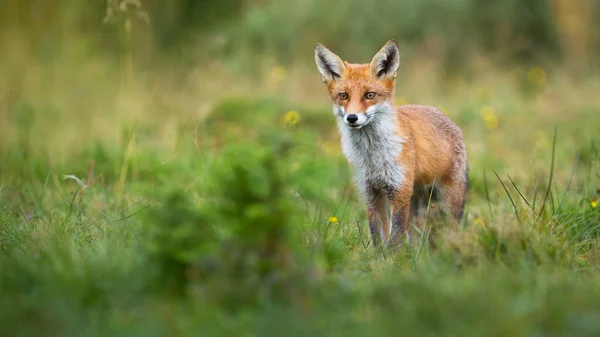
column 374, row 199
column 398, row 221
column 418, row 200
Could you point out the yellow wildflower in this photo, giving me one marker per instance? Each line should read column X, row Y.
column 292, row 117
column 277, row 75
column 537, row 76
column 401, row 100
column 479, row 221
column 488, row 114
column 594, row 203
column 333, row 219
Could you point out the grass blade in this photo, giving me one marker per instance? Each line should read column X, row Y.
column 360, row 235
column 41, row 209
column 429, row 203
column 518, row 191
column 337, row 207
column 81, row 211
column 132, row 214
column 487, row 193
column 535, row 187
column 509, row 196
column 549, row 190
column 568, row 184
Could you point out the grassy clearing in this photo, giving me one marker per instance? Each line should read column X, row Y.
column 173, row 203
column 244, row 221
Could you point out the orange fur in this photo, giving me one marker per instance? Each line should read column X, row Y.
column 432, row 146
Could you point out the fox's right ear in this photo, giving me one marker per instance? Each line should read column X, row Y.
column 385, row 63
column 330, row 65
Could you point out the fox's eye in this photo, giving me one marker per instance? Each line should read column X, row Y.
column 343, row 96
column 370, row 95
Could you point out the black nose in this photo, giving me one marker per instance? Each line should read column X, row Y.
column 352, row 118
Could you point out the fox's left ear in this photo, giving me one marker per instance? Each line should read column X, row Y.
column 385, row 63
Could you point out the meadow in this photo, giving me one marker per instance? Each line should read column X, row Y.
column 169, row 191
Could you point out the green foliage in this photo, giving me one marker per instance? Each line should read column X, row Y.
column 13, row 234
column 239, row 246
column 202, row 198
column 512, row 30
column 243, row 235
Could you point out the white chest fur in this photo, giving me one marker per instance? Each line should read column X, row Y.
column 373, row 151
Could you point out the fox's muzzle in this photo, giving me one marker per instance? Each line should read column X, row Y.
column 356, row 120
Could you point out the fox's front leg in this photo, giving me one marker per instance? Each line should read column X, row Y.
column 400, row 205
column 379, row 223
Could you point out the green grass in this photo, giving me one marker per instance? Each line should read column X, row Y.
column 199, row 210
column 234, row 237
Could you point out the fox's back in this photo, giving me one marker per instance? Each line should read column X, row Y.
column 437, row 142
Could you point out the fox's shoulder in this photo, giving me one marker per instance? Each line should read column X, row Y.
column 418, row 109
column 424, row 115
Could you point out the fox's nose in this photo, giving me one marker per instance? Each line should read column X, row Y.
column 352, row 118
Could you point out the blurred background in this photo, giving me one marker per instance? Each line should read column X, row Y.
column 510, row 31
column 73, row 72
column 180, row 58
column 168, row 166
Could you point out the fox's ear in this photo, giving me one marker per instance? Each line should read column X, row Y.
column 330, row 65
column 385, row 63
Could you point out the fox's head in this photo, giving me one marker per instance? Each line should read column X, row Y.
column 360, row 91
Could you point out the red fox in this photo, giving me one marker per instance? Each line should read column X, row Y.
column 396, row 151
